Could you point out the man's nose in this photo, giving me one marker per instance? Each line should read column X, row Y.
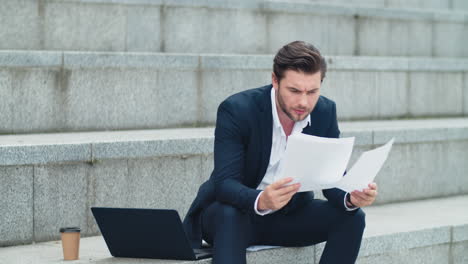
column 303, row 101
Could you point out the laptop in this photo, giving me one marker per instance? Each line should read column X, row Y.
column 146, row 233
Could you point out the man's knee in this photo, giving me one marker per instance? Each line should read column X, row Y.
column 358, row 219
column 226, row 213
column 232, row 225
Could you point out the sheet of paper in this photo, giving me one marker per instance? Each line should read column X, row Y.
column 319, row 163
column 316, row 162
column 365, row 169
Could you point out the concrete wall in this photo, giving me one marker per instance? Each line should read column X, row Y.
column 53, row 180
column 76, row 91
column 449, row 5
column 253, row 27
column 61, row 194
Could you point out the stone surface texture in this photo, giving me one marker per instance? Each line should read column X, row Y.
column 459, row 253
column 80, row 26
column 149, row 168
column 16, row 208
column 394, row 232
column 111, row 103
column 19, row 25
column 368, row 27
column 92, row 91
column 60, row 199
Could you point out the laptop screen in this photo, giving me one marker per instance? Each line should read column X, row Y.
column 143, row 233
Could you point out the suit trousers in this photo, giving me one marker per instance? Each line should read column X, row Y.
column 231, row 230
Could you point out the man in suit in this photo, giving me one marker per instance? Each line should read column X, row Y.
column 241, row 205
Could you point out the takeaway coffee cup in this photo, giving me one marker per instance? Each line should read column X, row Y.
column 70, row 242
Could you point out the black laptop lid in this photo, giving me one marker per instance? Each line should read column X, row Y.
column 143, row 233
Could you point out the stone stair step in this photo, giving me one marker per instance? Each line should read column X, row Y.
column 235, row 26
column 51, row 180
column 86, row 91
column 454, row 5
column 429, row 231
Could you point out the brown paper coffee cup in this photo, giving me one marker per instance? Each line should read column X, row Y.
column 70, row 242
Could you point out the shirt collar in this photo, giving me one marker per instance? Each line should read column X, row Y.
column 276, row 122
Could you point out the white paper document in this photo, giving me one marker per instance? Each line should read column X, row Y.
column 365, row 169
column 319, row 163
column 316, row 162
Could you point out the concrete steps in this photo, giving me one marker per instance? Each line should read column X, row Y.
column 82, row 91
column 430, row 231
column 453, row 5
column 51, row 180
column 228, row 26
column 112, row 65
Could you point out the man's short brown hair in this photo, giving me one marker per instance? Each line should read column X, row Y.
column 299, row 56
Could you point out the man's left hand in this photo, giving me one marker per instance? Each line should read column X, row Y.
column 364, row 198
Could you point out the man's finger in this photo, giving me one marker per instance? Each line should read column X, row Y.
column 373, row 186
column 371, row 193
column 360, row 195
column 287, row 189
column 359, row 202
column 277, row 184
column 285, row 198
column 356, row 201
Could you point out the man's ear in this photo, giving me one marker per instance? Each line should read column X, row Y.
column 274, row 81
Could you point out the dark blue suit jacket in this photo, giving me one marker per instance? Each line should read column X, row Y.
column 243, row 139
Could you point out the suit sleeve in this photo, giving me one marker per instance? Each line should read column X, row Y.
column 229, row 155
column 335, row 196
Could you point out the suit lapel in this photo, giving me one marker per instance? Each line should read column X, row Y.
column 266, row 132
column 310, row 129
column 313, row 127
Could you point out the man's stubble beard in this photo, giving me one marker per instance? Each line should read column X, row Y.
column 282, row 106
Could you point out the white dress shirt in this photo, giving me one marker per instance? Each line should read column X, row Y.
column 278, row 148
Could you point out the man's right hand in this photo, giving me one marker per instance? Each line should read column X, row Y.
column 276, row 195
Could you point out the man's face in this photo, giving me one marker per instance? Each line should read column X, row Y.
column 297, row 93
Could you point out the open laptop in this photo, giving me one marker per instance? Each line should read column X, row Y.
column 146, row 233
